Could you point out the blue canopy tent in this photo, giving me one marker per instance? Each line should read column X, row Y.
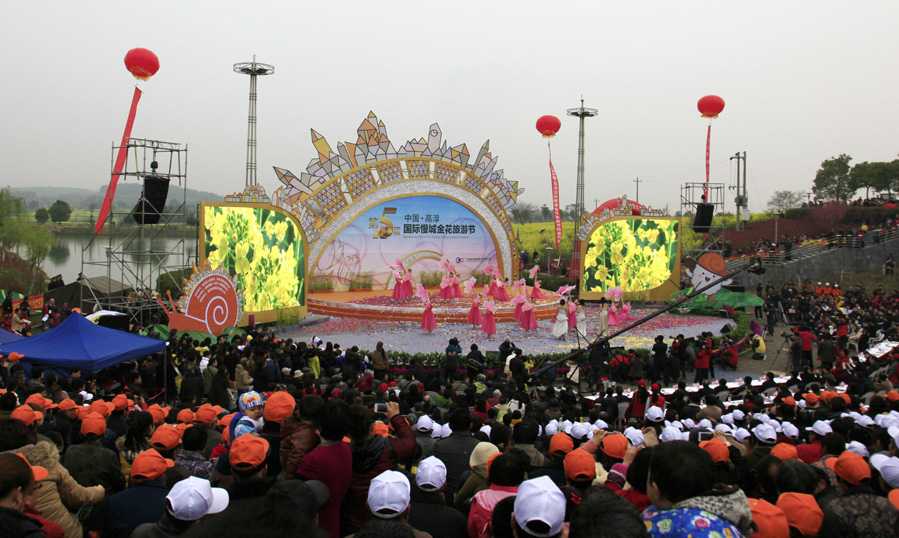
column 7, row 337
column 79, row 343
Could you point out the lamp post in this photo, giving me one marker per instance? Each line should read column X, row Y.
column 581, row 113
column 254, row 69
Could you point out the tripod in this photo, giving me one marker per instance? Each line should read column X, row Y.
column 785, row 345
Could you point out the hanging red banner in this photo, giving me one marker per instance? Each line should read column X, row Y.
column 708, row 144
column 119, row 164
column 557, row 215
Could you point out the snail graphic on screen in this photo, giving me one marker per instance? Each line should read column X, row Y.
column 709, row 267
column 210, row 303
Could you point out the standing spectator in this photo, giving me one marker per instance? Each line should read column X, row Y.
column 379, row 361
column 455, row 450
column 453, row 352
column 298, row 433
column 827, row 354
column 429, row 511
column 144, row 501
column 807, row 339
column 92, row 464
column 504, row 474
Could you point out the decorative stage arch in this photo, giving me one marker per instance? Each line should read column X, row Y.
column 369, row 204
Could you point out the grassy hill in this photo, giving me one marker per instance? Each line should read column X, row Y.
column 127, row 195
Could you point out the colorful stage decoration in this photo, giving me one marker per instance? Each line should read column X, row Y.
column 638, row 254
column 263, row 249
column 143, row 64
column 212, row 301
column 548, row 126
column 367, row 203
column 709, row 106
column 708, row 267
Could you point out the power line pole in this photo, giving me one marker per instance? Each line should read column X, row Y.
column 740, row 200
column 637, row 181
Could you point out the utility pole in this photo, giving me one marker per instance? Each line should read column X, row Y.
column 637, row 181
column 741, row 199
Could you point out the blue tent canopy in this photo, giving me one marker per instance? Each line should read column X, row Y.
column 79, row 343
column 7, row 337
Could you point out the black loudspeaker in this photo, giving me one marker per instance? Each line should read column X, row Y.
column 703, row 220
column 156, row 191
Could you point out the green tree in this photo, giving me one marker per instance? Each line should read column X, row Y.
column 523, row 212
column 833, row 180
column 42, row 215
column 546, row 213
column 783, row 200
column 60, row 211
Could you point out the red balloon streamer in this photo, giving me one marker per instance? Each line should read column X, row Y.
column 557, row 215
column 119, row 164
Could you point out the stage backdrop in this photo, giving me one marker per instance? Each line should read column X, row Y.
column 640, row 254
column 263, row 248
column 358, row 204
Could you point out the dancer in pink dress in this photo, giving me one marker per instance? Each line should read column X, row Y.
column 408, row 288
column 492, row 287
column 488, row 324
column 518, row 300
column 536, row 292
column 446, row 290
column 625, row 314
column 613, row 315
column 456, row 290
column 428, row 321
column 474, row 315
column 572, row 314
column 501, row 294
column 398, row 288
column 528, row 320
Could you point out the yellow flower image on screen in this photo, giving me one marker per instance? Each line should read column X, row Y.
column 263, row 249
column 636, row 254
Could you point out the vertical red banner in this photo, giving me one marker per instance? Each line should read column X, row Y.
column 708, row 145
column 557, row 215
column 119, row 163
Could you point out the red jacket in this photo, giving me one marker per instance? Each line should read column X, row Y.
column 702, row 358
column 297, row 440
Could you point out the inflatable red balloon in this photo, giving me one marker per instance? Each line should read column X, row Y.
column 710, row 106
column 548, row 126
column 142, row 63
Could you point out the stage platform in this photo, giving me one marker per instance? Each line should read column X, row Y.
column 380, row 305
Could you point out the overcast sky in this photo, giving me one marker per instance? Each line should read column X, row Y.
column 802, row 81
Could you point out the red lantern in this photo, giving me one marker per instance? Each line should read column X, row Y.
column 142, row 63
column 710, row 106
column 548, row 126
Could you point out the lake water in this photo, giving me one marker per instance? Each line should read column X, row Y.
column 65, row 257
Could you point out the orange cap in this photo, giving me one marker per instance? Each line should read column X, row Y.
column 846, row 398
column 892, row 396
column 811, row 398
column 149, row 465
column 93, row 424
column 771, row 520
column 101, row 408
column 580, row 465
column 802, row 512
column 26, row 414
column 40, row 401
column 67, row 404
column 166, row 437
column 159, row 413
column 37, row 471
column 185, row 416
column 894, row 497
column 717, row 449
column 561, row 444
column 850, row 467
column 121, row 401
column 206, row 413
column 279, row 406
column 789, row 400
column 614, row 445
column 14, row 356
column 225, row 421
column 248, row 452
column 784, row 452
column 490, row 461
column 379, row 428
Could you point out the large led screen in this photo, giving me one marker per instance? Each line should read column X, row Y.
column 262, row 247
column 417, row 230
column 638, row 254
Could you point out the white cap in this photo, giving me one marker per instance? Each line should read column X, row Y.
column 655, row 414
column 688, row 422
column 727, row 418
column 486, row 429
column 446, row 431
column 790, row 430
column 857, row 448
column 424, row 424
column 634, row 435
column 566, row 426
column 886, row 421
column 193, row 498
column 765, row 433
column 741, row 434
column 601, row 425
column 552, row 427
column 579, row 430
column 724, row 428
column 888, row 468
column 437, row 431
column 388, row 494
column 677, row 424
column 431, row 475
column 865, row 421
column 670, row 434
column 894, row 433
column 540, row 500
column 705, row 423
column 738, row 415
column 820, row 427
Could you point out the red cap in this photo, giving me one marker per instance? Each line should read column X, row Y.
column 655, row 387
column 383, row 387
column 26, row 414
column 561, row 444
column 185, row 416
column 784, row 452
column 149, row 465
column 850, row 467
column 717, row 449
column 614, row 445
column 580, row 465
column 67, row 404
column 121, row 401
column 278, row 407
column 802, row 512
column 166, row 437
column 248, row 452
column 207, row 413
column 641, row 383
column 93, row 424
column 771, row 520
